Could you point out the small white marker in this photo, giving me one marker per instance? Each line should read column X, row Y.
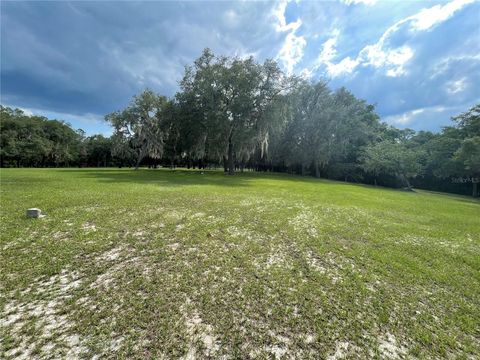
column 34, row 213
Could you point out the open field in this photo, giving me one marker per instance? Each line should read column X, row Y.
column 179, row 264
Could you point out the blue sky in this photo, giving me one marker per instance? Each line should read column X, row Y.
column 418, row 61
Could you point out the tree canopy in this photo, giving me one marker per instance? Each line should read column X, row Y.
column 241, row 114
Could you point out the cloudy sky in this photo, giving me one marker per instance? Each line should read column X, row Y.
column 418, row 61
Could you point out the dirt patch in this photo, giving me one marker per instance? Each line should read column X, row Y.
column 47, row 315
column 279, row 258
column 237, row 232
column 390, row 348
column 198, row 215
column 344, row 350
column 329, row 264
column 89, row 226
column 304, row 222
column 112, row 254
column 199, row 333
column 123, row 259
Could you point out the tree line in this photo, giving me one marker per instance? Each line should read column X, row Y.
column 35, row 141
column 243, row 115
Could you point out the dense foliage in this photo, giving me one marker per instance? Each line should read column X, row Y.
column 245, row 115
column 35, row 141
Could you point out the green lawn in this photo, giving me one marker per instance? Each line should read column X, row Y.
column 181, row 264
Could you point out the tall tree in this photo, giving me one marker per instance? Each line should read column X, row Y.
column 393, row 158
column 468, row 154
column 35, row 140
column 140, row 125
column 233, row 95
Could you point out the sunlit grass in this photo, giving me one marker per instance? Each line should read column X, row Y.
column 161, row 263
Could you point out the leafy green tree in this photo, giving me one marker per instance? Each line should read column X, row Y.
column 468, row 122
column 308, row 133
column 248, row 114
column 440, row 150
column 35, row 140
column 469, row 155
column 233, row 96
column 140, row 126
column 326, row 127
column 174, row 133
column 455, row 152
column 395, row 158
column 98, row 150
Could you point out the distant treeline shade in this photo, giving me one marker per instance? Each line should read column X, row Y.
column 239, row 114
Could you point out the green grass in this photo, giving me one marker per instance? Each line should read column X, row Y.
column 170, row 264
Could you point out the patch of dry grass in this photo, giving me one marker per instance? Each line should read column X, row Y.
column 161, row 264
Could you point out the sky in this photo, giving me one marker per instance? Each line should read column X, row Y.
column 417, row 61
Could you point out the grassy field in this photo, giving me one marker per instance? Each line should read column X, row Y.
column 180, row 264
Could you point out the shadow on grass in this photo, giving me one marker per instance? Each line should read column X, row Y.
column 165, row 177
column 183, row 177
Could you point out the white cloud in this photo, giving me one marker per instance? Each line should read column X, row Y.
column 280, row 20
column 148, row 67
column 449, row 61
column 396, row 59
column 393, row 60
column 380, row 55
column 293, row 46
column 292, row 51
column 231, row 19
column 88, row 120
column 356, row 2
column 426, row 18
column 403, row 119
column 329, row 52
column 407, row 117
column 26, row 111
column 430, row 17
column 306, row 73
column 457, row 86
column 346, row 66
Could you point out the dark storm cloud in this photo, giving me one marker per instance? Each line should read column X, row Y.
column 81, row 60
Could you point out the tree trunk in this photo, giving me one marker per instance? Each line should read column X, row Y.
column 405, row 180
column 317, row 170
column 140, row 158
column 231, row 168
column 225, row 167
column 138, row 163
column 475, row 189
column 409, row 186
